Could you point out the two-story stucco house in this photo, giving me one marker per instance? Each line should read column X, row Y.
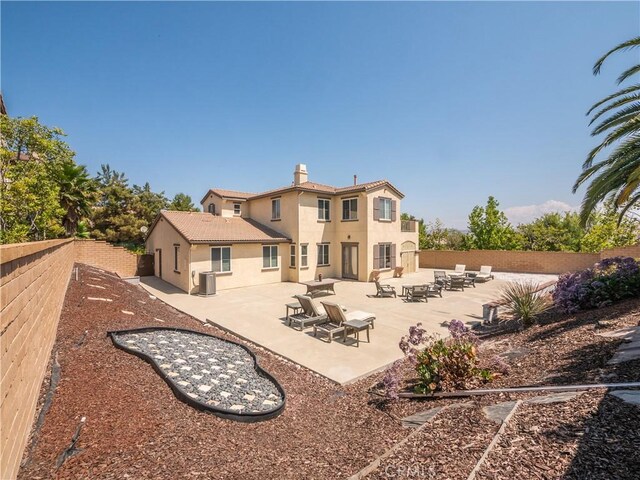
column 291, row 234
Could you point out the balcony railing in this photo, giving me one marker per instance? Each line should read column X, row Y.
column 408, row 225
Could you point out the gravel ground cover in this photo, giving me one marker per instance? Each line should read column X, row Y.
column 136, row 428
column 209, row 370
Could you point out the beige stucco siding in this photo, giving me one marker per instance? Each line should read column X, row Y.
column 164, row 237
column 246, row 266
column 380, row 231
column 225, row 207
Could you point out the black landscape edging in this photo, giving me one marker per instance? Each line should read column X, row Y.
column 249, row 417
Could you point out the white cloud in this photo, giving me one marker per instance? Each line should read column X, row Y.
column 527, row 213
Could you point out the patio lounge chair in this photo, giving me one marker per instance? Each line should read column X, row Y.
column 310, row 316
column 337, row 317
column 385, row 290
column 418, row 293
column 485, row 274
column 460, row 269
column 440, row 278
column 434, row 289
column 456, row 283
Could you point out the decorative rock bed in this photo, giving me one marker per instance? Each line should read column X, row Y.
column 207, row 372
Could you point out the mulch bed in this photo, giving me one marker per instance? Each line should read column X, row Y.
column 562, row 350
column 593, row 436
column 136, row 428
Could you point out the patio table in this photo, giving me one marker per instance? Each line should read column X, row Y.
column 326, row 285
column 296, row 307
column 406, row 289
column 356, row 326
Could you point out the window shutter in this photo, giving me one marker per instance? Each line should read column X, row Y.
column 376, row 257
column 393, row 210
column 376, row 208
column 393, row 255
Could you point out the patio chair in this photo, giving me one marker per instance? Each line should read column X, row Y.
column 456, row 283
column 418, row 293
column 385, row 290
column 336, row 319
column 485, row 274
column 434, row 289
column 310, row 316
column 440, row 278
column 460, row 269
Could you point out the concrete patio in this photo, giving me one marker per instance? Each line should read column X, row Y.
column 258, row 314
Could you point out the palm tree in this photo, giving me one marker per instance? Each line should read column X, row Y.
column 617, row 177
column 77, row 194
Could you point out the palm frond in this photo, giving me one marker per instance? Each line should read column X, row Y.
column 616, row 104
column 621, row 116
column 624, row 91
column 635, row 199
column 628, row 73
column 629, row 44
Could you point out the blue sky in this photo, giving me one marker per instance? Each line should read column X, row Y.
column 451, row 102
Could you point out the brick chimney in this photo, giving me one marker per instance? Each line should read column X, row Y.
column 300, row 175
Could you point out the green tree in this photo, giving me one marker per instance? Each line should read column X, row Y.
column 30, row 156
column 607, row 230
column 489, row 229
column 121, row 211
column 77, row 194
column 617, row 177
column 183, row 203
column 554, row 232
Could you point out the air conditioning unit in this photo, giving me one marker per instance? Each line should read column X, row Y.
column 207, row 286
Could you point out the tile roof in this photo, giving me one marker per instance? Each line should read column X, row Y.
column 227, row 194
column 203, row 227
column 318, row 187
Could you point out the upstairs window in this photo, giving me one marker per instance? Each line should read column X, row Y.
column 324, row 209
column 275, row 209
column 236, row 209
column 212, row 208
column 304, row 259
column 385, row 209
column 350, row 209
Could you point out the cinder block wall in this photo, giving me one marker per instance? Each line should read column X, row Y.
column 509, row 260
column 33, row 285
column 108, row 257
column 632, row 251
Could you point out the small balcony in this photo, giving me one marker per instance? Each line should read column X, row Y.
column 408, row 225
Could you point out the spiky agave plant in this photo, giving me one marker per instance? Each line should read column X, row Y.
column 618, row 175
column 525, row 301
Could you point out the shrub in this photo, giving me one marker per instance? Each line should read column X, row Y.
column 610, row 280
column 524, row 301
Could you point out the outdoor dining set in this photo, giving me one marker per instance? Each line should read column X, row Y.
column 459, row 279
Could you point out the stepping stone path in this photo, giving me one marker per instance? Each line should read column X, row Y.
column 191, row 361
column 629, row 396
column 100, row 299
column 560, row 397
column 629, row 350
column 498, row 412
column 414, row 421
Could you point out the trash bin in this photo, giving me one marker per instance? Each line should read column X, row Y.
column 207, row 286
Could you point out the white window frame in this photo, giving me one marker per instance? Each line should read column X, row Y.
column 237, row 208
column 275, row 209
column 385, row 209
column 385, row 255
column 324, row 211
column 321, row 248
column 304, row 255
column 221, row 260
column 270, row 248
column 292, row 256
column 211, row 208
column 354, row 199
